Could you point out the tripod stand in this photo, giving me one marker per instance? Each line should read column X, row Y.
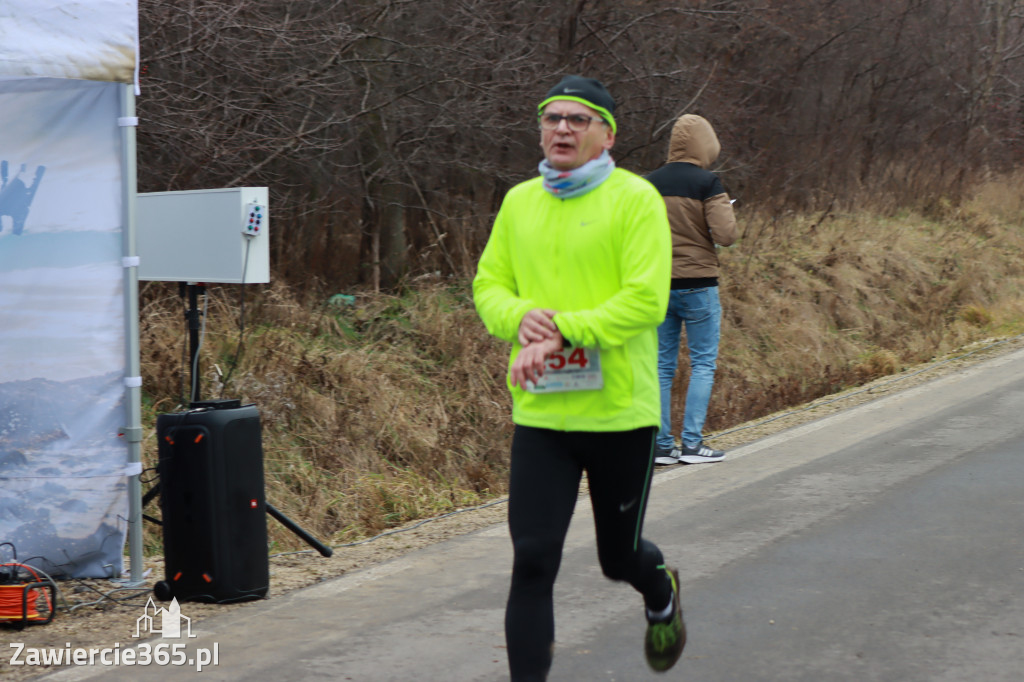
column 193, row 316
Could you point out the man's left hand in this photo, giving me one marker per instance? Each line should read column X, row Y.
column 529, row 364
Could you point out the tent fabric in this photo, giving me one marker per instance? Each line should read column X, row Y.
column 87, row 40
column 63, row 499
column 64, row 468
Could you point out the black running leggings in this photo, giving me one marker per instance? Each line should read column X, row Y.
column 546, row 470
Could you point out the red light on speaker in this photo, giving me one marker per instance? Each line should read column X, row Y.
column 177, row 575
column 253, row 504
column 207, row 578
column 199, row 438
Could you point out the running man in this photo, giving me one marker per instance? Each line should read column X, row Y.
column 576, row 276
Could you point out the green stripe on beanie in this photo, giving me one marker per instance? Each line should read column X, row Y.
column 586, row 91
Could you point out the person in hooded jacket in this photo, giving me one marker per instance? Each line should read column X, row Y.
column 701, row 216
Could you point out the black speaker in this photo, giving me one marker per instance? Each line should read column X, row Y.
column 213, row 504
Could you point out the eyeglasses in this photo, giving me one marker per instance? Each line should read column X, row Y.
column 577, row 122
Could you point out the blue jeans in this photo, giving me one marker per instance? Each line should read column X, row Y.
column 701, row 311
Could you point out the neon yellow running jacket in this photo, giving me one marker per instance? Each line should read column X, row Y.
column 603, row 261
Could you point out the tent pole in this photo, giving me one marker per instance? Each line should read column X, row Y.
column 133, row 411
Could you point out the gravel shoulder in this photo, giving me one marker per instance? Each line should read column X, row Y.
column 104, row 613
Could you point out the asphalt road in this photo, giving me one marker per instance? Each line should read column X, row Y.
column 885, row 542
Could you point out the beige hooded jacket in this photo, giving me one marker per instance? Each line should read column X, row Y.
column 699, row 209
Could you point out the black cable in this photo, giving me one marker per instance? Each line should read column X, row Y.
column 184, row 345
column 717, row 435
column 241, row 321
column 401, row 530
column 863, row 390
column 194, row 389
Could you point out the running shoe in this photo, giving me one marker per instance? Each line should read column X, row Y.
column 665, row 639
column 666, row 457
column 700, row 455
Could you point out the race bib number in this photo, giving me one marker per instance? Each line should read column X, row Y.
column 570, row 369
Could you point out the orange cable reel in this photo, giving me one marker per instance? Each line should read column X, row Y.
column 22, row 594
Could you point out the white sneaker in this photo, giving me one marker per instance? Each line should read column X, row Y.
column 666, row 457
column 698, row 455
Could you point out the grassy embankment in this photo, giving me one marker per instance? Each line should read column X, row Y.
column 381, row 409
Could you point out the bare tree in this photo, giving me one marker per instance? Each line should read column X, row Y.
column 389, row 130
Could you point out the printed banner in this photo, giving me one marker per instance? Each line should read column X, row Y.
column 89, row 40
column 63, row 493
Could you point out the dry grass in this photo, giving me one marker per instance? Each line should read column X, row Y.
column 374, row 412
column 817, row 303
column 380, row 409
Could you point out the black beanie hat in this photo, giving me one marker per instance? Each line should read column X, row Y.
column 586, row 91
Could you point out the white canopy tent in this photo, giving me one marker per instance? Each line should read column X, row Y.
column 70, row 418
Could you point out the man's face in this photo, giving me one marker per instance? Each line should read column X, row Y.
column 565, row 149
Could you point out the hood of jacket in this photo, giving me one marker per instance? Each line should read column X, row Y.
column 693, row 141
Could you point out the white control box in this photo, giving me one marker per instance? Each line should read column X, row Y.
column 204, row 236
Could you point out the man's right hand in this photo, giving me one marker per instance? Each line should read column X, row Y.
column 537, row 325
